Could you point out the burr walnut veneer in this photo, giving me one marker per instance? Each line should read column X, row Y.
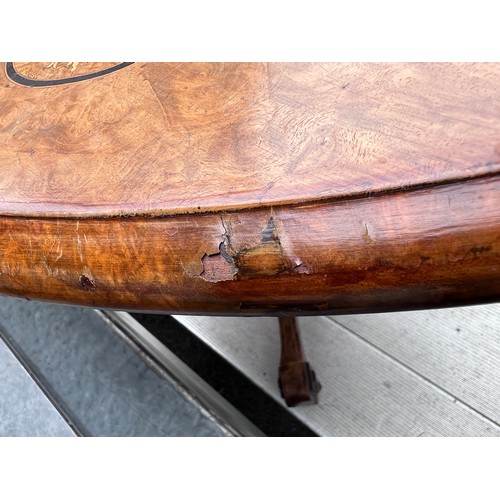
column 250, row 189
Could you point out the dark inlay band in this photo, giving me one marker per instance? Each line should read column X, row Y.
column 22, row 80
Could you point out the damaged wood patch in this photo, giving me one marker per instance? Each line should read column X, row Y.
column 300, row 268
column 269, row 233
column 87, row 281
column 265, row 259
column 218, row 267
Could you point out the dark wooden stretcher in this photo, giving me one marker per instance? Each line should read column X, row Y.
column 251, row 189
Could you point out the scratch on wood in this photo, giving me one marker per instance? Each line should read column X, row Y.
column 165, row 117
column 79, row 246
column 79, row 243
column 366, row 236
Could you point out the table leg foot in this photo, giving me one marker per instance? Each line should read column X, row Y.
column 297, row 380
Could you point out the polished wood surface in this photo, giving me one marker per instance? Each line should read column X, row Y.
column 426, row 248
column 187, row 138
column 251, row 189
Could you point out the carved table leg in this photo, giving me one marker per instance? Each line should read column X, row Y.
column 297, row 380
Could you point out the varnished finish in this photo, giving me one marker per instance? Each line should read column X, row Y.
column 297, row 381
column 427, row 248
column 187, row 138
column 250, row 188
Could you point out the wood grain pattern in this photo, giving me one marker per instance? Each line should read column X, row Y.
column 187, row 138
column 428, row 248
column 253, row 189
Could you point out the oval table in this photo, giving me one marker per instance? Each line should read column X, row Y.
column 251, row 189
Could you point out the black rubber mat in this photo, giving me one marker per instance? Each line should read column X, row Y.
column 242, row 393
